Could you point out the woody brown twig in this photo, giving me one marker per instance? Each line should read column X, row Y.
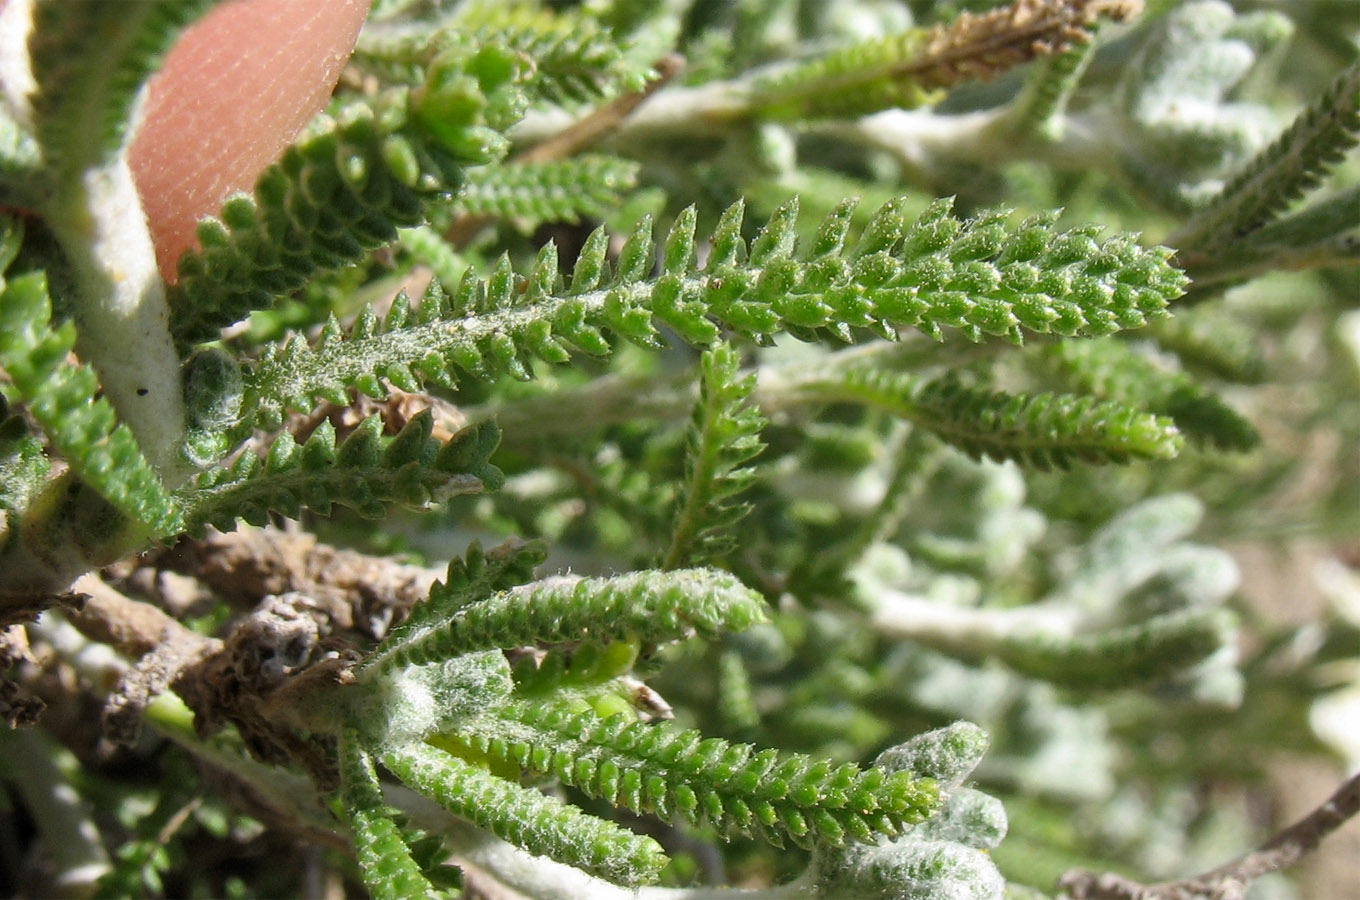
column 164, row 649
column 1230, row 881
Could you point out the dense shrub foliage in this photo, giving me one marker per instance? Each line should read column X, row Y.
column 639, row 448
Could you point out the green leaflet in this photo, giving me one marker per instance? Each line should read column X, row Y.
column 851, row 81
column 384, row 858
column 565, row 190
column 738, row 711
column 475, row 575
column 1039, row 430
column 1214, row 342
column 572, row 58
column 426, row 246
column 526, row 817
column 344, row 188
column 1320, row 235
column 1038, row 110
column 909, row 69
column 364, row 473
column 1144, row 653
column 90, row 61
column 1042, row 430
column 723, row 436
column 648, row 606
column 1114, row 370
column 63, row 398
column 681, row 775
column 977, row 275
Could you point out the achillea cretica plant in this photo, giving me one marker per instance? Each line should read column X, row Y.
column 842, row 389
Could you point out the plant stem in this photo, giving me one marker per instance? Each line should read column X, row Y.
column 967, row 630
column 121, row 309
column 615, row 399
column 1230, row 881
column 16, row 72
column 67, row 828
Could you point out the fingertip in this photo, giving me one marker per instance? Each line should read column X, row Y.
column 234, row 91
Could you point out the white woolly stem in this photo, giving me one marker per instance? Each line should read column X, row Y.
column 64, row 820
column 922, row 140
column 121, row 309
column 16, row 71
column 963, row 629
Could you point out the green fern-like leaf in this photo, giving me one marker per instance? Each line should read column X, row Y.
column 564, row 190
column 576, row 60
column 572, row 58
column 681, row 775
column 851, row 81
column 1039, row 108
column 63, row 397
column 938, row 272
column 723, row 436
column 385, row 860
column 344, row 188
column 1043, row 430
column 90, row 61
column 473, row 577
column 1144, row 653
column 526, row 817
column 1039, row 430
column 364, row 472
column 649, row 606
column 736, row 701
column 1114, row 370
column 1284, row 171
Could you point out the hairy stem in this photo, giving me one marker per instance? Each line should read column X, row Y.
column 16, row 72
column 121, row 309
column 965, row 630
column 69, row 831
